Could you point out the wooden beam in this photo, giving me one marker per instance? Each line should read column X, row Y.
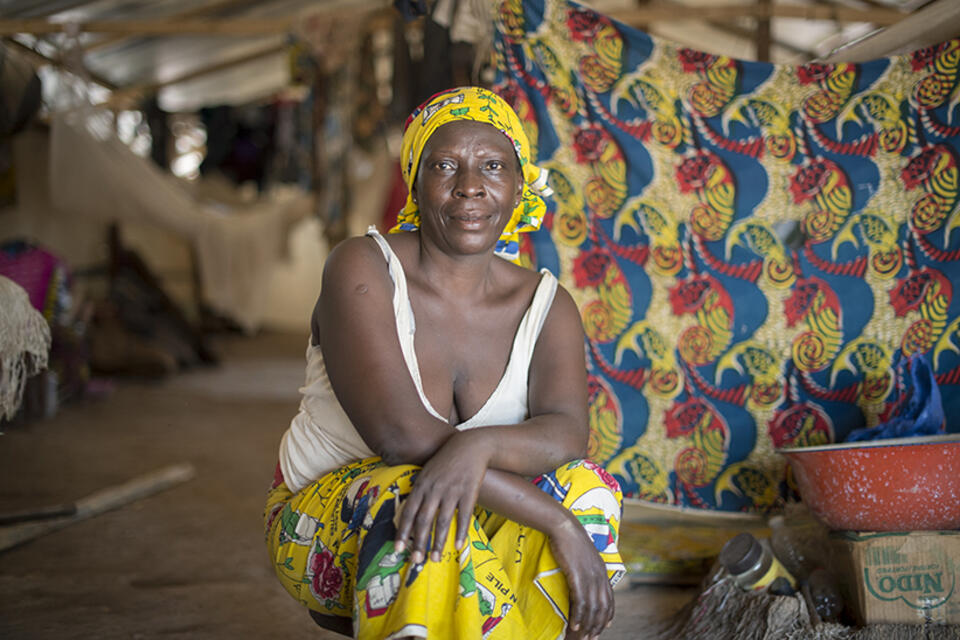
column 201, row 27
column 748, row 34
column 656, row 12
column 99, row 502
column 763, row 33
column 663, row 12
column 50, row 8
column 204, row 10
column 121, row 97
column 934, row 23
column 44, row 60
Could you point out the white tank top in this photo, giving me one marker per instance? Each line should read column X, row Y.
column 321, row 437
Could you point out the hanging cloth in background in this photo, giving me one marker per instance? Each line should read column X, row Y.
column 754, row 248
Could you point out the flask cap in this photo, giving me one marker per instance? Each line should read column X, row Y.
column 741, row 553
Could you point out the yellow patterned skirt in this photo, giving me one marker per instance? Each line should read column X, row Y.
column 331, row 545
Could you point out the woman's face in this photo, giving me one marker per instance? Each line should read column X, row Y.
column 467, row 186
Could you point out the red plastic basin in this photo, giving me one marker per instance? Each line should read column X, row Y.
column 905, row 484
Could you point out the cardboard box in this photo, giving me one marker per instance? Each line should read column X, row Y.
column 900, row 577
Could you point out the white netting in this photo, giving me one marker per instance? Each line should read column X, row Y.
column 24, row 345
column 94, row 174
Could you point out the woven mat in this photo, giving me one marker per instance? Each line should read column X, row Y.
column 722, row 610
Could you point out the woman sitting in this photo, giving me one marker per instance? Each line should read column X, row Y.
column 440, row 379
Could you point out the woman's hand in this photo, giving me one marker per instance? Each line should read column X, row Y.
column 449, row 482
column 591, row 596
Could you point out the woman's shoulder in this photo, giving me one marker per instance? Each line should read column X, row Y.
column 355, row 265
column 355, row 269
column 528, row 281
column 519, row 283
column 353, row 254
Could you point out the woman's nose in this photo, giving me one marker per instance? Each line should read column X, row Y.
column 469, row 184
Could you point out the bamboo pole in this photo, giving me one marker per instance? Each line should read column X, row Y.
column 124, row 95
column 204, row 10
column 165, row 27
column 656, row 12
column 100, row 502
column 763, row 38
column 934, row 23
column 41, row 59
column 663, row 12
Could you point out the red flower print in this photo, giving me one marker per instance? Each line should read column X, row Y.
column 809, row 180
column 810, row 73
column 923, row 58
column 684, row 417
column 688, row 295
column 801, row 424
column 602, row 473
column 583, row 24
column 693, row 172
column 589, row 144
column 797, row 305
column 920, row 168
column 590, row 267
column 693, row 60
column 327, row 578
column 908, row 294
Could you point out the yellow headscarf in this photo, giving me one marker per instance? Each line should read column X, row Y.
column 480, row 105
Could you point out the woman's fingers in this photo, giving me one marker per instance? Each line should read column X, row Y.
column 423, row 526
column 408, row 516
column 599, row 612
column 611, row 602
column 577, row 608
column 591, row 596
column 427, row 511
column 464, row 512
column 442, row 527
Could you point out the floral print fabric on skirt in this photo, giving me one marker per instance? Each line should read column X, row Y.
column 331, row 544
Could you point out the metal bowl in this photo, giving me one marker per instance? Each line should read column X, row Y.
column 903, row 484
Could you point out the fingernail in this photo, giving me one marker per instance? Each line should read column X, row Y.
column 576, row 626
column 435, row 556
column 399, row 547
column 417, row 557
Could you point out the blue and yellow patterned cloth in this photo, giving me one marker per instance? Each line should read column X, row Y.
column 755, row 248
column 479, row 105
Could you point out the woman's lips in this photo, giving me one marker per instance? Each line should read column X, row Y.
column 471, row 220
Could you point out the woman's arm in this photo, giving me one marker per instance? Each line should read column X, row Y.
column 558, row 429
column 355, row 327
column 557, row 433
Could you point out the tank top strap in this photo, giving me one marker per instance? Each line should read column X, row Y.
column 533, row 319
column 399, row 278
column 406, row 324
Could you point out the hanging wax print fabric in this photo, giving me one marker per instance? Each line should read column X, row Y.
column 755, row 248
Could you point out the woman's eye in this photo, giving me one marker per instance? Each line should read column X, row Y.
column 495, row 164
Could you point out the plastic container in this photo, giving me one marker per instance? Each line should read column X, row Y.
column 751, row 564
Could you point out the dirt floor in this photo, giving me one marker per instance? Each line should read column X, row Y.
column 188, row 562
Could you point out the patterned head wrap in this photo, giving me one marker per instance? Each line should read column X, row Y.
column 479, row 105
